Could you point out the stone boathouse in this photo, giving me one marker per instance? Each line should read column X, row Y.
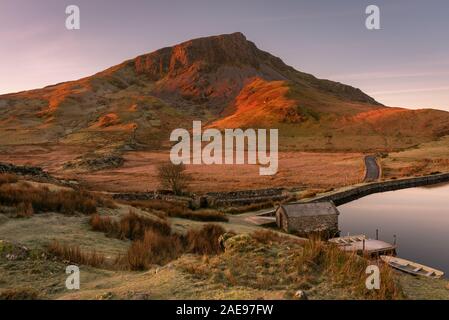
column 305, row 218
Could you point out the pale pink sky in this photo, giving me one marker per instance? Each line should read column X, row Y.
column 404, row 64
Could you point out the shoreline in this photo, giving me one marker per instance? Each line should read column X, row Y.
column 358, row 191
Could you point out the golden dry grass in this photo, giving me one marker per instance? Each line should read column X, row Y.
column 205, row 240
column 348, row 270
column 268, row 236
column 7, row 178
column 426, row 158
column 266, row 261
column 24, row 210
column 153, row 240
column 139, row 173
column 178, row 210
column 19, row 294
column 41, row 199
column 321, row 170
column 44, row 200
column 154, row 248
column 74, row 254
column 130, row 226
column 250, row 207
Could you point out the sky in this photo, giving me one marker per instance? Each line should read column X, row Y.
column 404, row 64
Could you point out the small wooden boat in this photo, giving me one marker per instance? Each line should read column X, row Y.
column 412, row 267
column 348, row 239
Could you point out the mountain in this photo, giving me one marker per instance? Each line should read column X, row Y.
column 226, row 82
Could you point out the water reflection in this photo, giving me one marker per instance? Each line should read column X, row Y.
column 418, row 216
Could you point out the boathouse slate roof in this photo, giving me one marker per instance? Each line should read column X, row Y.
column 310, row 209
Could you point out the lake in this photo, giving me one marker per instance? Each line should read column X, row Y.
column 419, row 217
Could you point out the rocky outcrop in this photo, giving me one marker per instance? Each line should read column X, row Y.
column 36, row 174
column 23, row 170
column 96, row 163
column 216, row 68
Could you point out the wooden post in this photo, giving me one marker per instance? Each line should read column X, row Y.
column 363, row 246
column 377, row 234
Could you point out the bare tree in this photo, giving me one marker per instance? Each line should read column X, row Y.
column 173, row 177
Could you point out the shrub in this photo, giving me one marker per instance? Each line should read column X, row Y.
column 173, row 176
column 74, row 254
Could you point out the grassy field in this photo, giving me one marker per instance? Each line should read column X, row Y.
column 152, row 251
column 139, row 172
column 423, row 159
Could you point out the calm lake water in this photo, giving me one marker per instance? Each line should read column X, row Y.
column 419, row 217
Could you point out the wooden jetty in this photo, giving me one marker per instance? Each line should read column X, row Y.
column 412, row 267
column 362, row 245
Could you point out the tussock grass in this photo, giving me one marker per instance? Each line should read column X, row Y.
column 102, row 224
column 202, row 215
column 24, row 210
column 154, row 242
column 160, row 205
column 19, row 294
column 75, row 255
column 268, row 236
column 131, row 226
column 250, row 207
column 179, row 210
column 42, row 199
column 205, row 240
column 259, row 205
column 154, row 248
column 347, row 270
column 264, row 260
column 7, row 178
column 158, row 248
